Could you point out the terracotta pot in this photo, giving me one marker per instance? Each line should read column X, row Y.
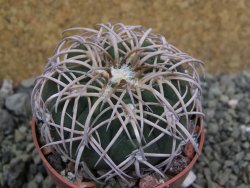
column 61, row 182
column 176, row 181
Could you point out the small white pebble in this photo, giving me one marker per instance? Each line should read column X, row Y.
column 71, row 175
column 62, row 172
column 64, row 159
column 233, row 103
column 245, row 128
column 191, row 177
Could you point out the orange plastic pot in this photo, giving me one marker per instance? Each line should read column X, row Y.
column 62, row 182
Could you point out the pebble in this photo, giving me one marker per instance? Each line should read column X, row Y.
column 28, row 83
column 235, row 133
column 229, row 163
column 19, row 136
column 223, row 177
column 214, row 91
column 48, row 183
column 1, row 179
column 36, row 157
column 214, row 166
column 6, row 122
column 239, row 156
column 32, row 184
column 5, row 90
column 39, row 178
column 243, row 186
column 30, row 147
column 224, row 98
column 25, row 157
column 19, row 104
column 213, row 128
column 233, row 103
column 247, row 157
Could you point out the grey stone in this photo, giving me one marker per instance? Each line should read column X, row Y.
column 13, row 173
column 25, row 157
column 208, row 178
column 229, row 163
column 32, row 184
column 32, row 169
column 1, row 136
column 245, row 145
column 19, row 136
column 244, row 117
column 1, row 179
column 23, row 129
column 214, row 166
column 223, row 177
column 213, row 128
column 39, row 178
column 204, row 159
column 233, row 103
column 6, row 157
column 239, row 156
column 19, row 104
column 226, row 80
column 36, row 158
column 28, row 83
column 212, row 103
column 16, row 151
column 224, row 98
column 233, row 177
column 236, row 169
column 30, row 147
column 208, row 150
column 214, row 91
column 235, row 132
column 48, row 183
column 210, row 113
column 235, row 147
column 231, row 184
column 5, row 90
column 29, row 138
column 242, row 186
column 247, row 157
column 6, row 122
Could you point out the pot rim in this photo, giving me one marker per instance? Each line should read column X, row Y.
column 46, row 163
column 189, row 166
column 70, row 184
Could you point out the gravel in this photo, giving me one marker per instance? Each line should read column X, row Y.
column 225, row 160
column 226, row 102
column 19, row 104
column 20, row 165
column 6, row 122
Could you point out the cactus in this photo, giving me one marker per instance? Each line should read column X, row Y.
column 118, row 99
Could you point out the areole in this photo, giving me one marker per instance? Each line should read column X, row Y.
column 61, row 182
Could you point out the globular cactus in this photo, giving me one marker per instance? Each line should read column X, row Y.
column 120, row 100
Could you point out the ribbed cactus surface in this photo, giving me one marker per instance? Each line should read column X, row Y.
column 118, row 99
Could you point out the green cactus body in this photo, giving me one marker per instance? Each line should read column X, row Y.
column 115, row 94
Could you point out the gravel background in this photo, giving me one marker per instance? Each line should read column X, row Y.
column 225, row 161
